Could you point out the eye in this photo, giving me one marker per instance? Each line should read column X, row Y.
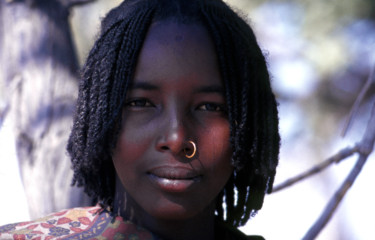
column 138, row 103
column 212, row 107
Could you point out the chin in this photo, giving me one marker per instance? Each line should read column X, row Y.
column 173, row 212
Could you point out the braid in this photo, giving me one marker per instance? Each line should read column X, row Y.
column 252, row 111
column 252, row 108
column 106, row 76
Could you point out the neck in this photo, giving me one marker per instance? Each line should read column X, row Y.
column 197, row 227
column 194, row 228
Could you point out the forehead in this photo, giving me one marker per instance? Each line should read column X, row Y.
column 175, row 51
column 177, row 37
column 164, row 30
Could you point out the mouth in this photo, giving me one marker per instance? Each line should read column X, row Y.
column 174, row 179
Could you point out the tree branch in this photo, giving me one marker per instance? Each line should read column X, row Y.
column 344, row 153
column 358, row 101
column 72, row 3
column 365, row 148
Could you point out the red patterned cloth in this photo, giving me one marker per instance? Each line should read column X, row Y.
column 76, row 223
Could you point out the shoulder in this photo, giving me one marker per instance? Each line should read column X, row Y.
column 77, row 223
column 59, row 224
column 225, row 232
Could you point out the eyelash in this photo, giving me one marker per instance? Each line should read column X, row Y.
column 139, row 103
column 211, row 107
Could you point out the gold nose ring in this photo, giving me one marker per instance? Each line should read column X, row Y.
column 194, row 150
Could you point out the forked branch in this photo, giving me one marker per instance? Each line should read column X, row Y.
column 365, row 148
column 341, row 155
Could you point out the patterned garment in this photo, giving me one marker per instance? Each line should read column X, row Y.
column 95, row 223
column 76, row 223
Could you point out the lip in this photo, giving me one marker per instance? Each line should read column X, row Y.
column 174, row 178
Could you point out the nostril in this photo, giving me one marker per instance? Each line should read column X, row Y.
column 164, row 148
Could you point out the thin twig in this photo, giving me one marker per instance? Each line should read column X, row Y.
column 342, row 154
column 73, row 3
column 365, row 148
column 358, row 101
column 3, row 113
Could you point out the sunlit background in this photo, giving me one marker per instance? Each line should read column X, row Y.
column 320, row 54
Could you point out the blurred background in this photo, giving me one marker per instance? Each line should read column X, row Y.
column 320, row 54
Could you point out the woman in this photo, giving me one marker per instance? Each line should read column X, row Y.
column 176, row 129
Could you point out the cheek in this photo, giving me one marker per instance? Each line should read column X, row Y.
column 215, row 157
column 131, row 145
column 127, row 149
column 218, row 139
column 133, row 140
column 217, row 151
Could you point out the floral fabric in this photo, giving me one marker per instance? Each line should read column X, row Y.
column 95, row 223
column 76, row 223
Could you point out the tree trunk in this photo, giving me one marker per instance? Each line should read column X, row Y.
column 38, row 67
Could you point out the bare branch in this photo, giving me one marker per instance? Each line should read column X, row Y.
column 340, row 155
column 3, row 113
column 344, row 153
column 365, row 148
column 73, row 3
column 358, row 101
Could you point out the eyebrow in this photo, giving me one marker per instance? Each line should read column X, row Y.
column 210, row 89
column 204, row 89
column 143, row 86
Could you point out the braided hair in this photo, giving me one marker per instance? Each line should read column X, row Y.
column 252, row 108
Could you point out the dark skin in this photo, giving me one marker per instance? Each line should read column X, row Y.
column 176, row 97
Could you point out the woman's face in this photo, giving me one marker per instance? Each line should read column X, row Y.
column 176, row 97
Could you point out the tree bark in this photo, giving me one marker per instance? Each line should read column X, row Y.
column 39, row 69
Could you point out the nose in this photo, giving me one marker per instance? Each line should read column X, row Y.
column 173, row 134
